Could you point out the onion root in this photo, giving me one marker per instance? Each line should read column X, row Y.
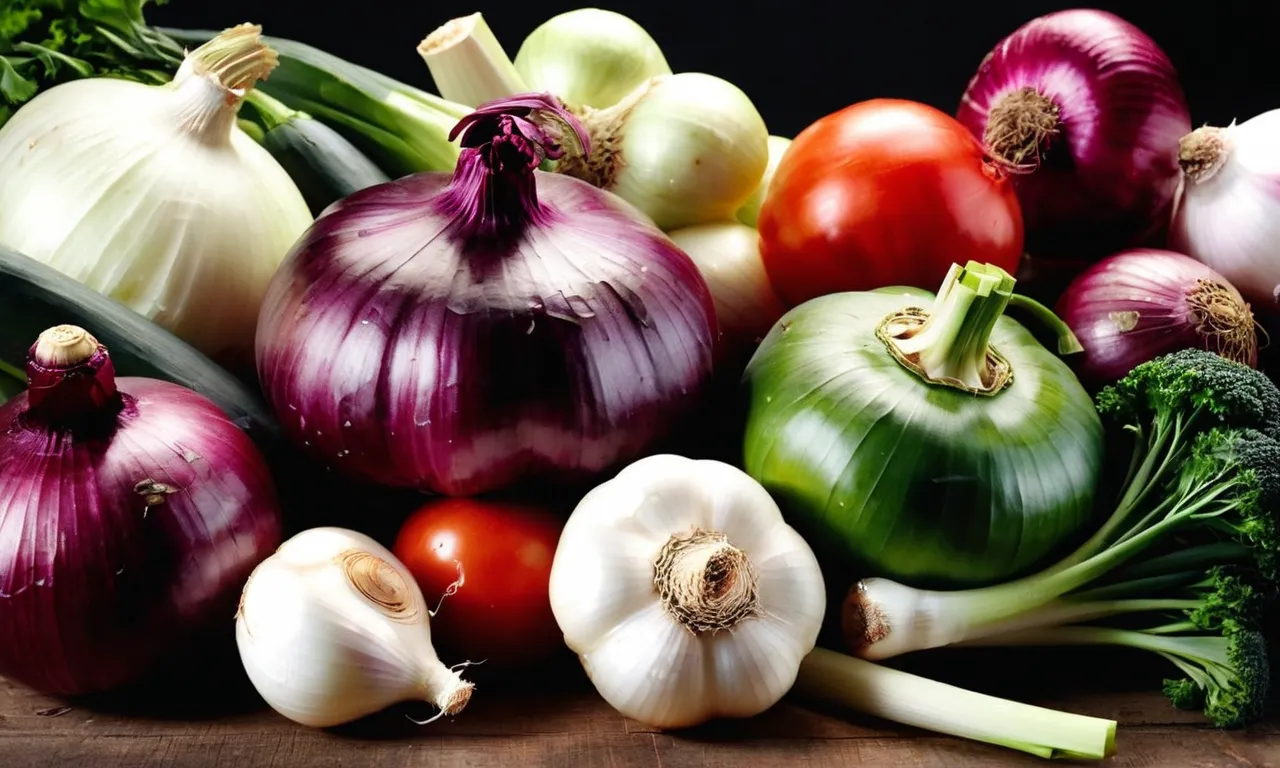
column 1020, row 127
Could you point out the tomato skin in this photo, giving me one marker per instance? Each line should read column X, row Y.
column 884, row 192
column 501, row 614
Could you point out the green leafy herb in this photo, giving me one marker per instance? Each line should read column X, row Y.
column 47, row 42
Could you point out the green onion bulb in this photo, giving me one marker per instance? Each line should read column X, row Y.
column 685, row 149
column 589, row 58
column 154, row 196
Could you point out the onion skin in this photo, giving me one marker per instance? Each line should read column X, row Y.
column 1108, row 177
column 1137, row 305
column 1229, row 213
column 464, row 334
column 102, row 572
column 931, row 486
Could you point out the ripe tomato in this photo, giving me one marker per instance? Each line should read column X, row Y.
column 885, row 192
column 502, row 552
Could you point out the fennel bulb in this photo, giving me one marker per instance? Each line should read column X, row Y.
column 152, row 195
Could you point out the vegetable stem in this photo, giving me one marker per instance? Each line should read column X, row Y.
column 403, row 129
column 237, row 58
column 951, row 344
column 1065, row 338
column 468, row 64
column 213, row 80
column 271, row 112
column 912, row 700
column 12, row 371
column 1071, row 611
column 70, row 376
column 1211, row 647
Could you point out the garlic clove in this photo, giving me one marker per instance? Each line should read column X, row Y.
column 755, row 665
column 652, row 670
column 333, row 628
column 785, row 592
column 612, row 574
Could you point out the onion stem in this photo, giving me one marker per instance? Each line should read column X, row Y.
column 468, row 63
column 901, row 697
column 1065, row 338
column 950, row 345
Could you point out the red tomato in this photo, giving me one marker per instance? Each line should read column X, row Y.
column 502, row 552
column 885, row 192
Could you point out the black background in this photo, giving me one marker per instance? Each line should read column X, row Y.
column 800, row 59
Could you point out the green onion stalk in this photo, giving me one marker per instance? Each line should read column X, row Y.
column 12, row 381
column 403, row 129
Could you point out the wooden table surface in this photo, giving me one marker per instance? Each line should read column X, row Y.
column 561, row 722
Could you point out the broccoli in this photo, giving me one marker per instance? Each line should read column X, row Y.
column 1227, row 675
column 1193, row 535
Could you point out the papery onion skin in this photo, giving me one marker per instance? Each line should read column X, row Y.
column 122, row 536
column 1107, row 178
column 416, row 338
column 1139, row 304
column 1229, row 213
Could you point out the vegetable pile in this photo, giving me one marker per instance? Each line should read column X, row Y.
column 991, row 378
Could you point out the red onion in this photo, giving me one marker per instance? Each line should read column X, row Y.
column 1088, row 111
column 1140, row 304
column 461, row 333
column 131, row 512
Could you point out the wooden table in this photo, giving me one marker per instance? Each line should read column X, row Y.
column 560, row 722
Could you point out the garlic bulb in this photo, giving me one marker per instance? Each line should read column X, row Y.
column 684, row 149
column 589, row 57
column 154, row 196
column 332, row 628
column 684, row 593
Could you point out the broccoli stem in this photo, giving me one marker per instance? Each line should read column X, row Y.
column 1149, row 475
column 883, row 618
column 1209, row 652
column 901, row 697
column 1069, row 611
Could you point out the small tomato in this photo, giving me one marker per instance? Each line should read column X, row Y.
column 495, row 557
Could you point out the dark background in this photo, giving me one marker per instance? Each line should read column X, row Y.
column 799, row 59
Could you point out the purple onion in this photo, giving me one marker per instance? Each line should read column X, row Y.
column 1087, row 110
column 1137, row 305
column 131, row 512
column 461, row 333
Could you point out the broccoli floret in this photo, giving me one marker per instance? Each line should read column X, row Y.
column 1227, row 676
column 1231, row 483
column 1231, row 601
column 1194, row 537
column 1184, row 694
column 1191, row 383
column 1232, row 674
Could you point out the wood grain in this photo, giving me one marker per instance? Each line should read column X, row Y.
column 560, row 722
